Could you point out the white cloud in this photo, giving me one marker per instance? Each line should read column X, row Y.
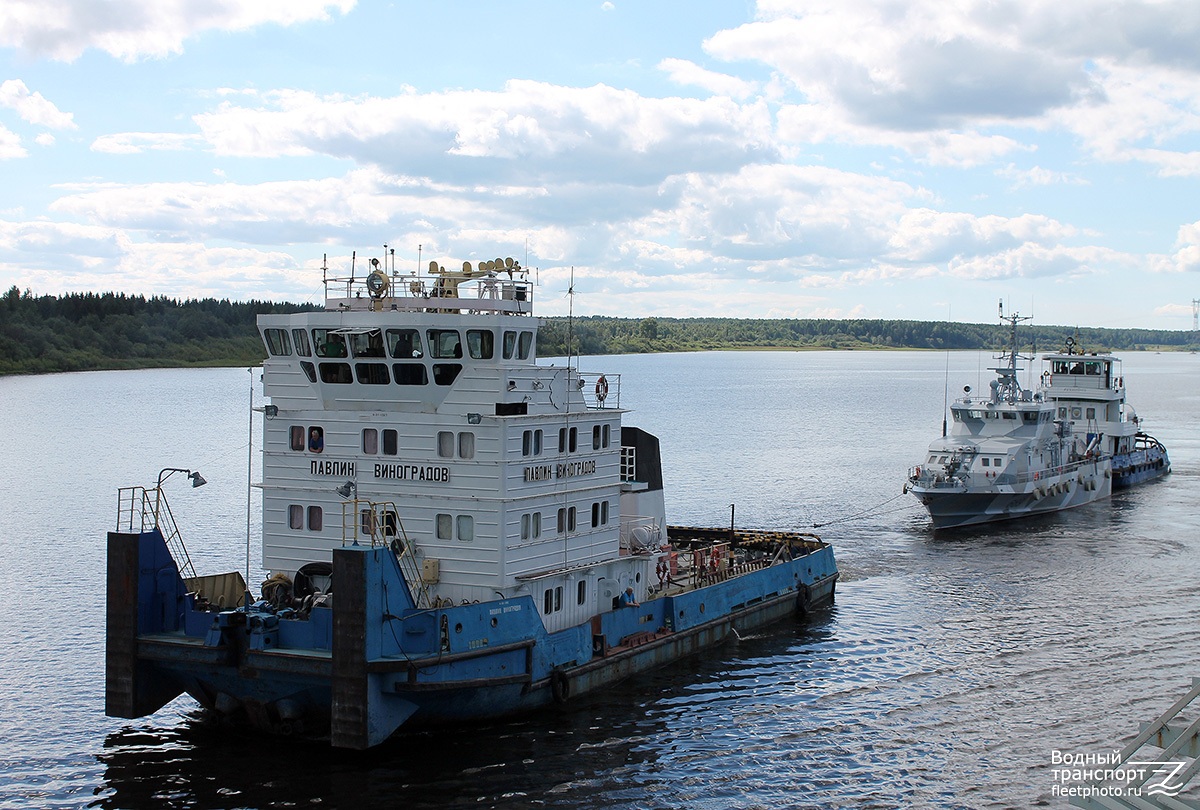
column 33, row 108
column 10, row 144
column 134, row 29
column 133, row 143
column 529, row 130
column 681, row 71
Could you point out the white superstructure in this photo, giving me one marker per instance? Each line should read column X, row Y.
column 419, row 398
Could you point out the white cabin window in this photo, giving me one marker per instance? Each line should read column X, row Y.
column 531, row 443
column 316, row 518
column 445, row 527
column 581, row 592
column 566, row 520
column 296, row 436
column 445, row 444
column 466, row 444
column 997, row 462
column 552, row 600
column 987, row 462
column 1091, row 413
column 531, row 525
column 599, row 514
column 295, row 516
column 391, row 442
column 316, row 439
column 466, row 528
column 370, row 438
column 568, row 439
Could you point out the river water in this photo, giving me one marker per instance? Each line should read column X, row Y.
column 951, row 669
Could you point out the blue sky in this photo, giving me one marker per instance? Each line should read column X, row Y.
column 787, row 158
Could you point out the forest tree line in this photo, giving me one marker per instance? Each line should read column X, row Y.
column 89, row 331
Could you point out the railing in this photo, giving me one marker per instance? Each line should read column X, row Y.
column 366, row 522
column 600, row 390
column 141, row 510
column 927, row 479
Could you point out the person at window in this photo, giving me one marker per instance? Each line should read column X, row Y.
column 627, row 599
column 316, row 441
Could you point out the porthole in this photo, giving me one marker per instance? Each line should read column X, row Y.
column 458, row 628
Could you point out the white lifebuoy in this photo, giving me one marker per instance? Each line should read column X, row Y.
column 601, row 388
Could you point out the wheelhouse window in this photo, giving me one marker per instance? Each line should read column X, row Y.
column 338, row 373
column 481, row 343
column 404, row 344
column 446, row 373
column 302, row 346
column 444, row 343
column 510, row 345
column 277, row 341
column 410, row 373
column 372, row 373
column 367, row 344
column 309, row 369
column 328, row 343
column 525, row 345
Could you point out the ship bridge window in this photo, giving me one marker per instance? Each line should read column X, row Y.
column 444, row 343
column 404, row 344
column 367, row 344
column 309, row 370
column 525, row 345
column 1061, row 367
column 328, row 344
column 336, row 373
column 510, row 344
column 1009, row 415
column 277, row 341
column 372, row 373
column 410, row 373
column 1030, row 416
column 481, row 343
column 446, row 373
column 1093, row 368
column 301, row 339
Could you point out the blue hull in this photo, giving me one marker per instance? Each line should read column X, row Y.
column 374, row 662
column 1146, row 463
